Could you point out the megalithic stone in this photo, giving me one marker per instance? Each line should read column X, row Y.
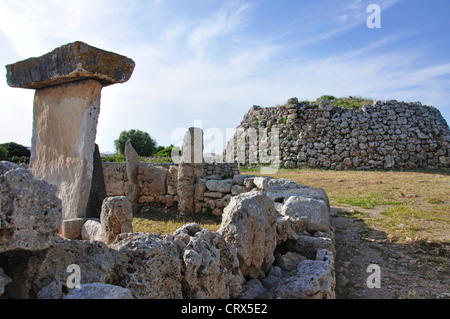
column 190, row 169
column 68, row 83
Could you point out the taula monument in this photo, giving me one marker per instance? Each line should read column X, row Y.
column 68, row 83
column 276, row 239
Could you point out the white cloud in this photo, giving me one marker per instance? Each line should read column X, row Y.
column 210, row 69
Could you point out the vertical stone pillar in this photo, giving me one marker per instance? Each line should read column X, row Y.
column 189, row 169
column 132, row 162
column 68, row 83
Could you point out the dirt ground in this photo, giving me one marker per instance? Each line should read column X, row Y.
column 418, row 269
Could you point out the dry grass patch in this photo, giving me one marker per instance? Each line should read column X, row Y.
column 404, row 204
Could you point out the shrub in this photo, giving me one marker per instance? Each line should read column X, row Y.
column 3, row 154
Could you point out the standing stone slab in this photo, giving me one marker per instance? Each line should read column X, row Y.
column 190, row 169
column 63, row 142
column 68, row 83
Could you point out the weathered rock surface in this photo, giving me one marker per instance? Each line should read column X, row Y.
column 63, row 142
column 307, row 213
column 95, row 259
column 115, row 177
column 70, row 62
column 116, row 218
column 7, row 166
column 97, row 290
column 280, row 190
column 92, row 230
column 152, row 182
column 30, row 212
column 148, row 266
column 210, row 264
column 132, row 168
column 313, row 279
column 249, row 225
column 223, row 186
column 192, row 151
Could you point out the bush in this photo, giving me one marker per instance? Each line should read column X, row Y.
column 15, row 153
column 167, row 152
column 3, row 154
column 141, row 141
column 16, row 150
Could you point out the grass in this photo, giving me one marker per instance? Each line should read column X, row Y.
column 350, row 102
column 403, row 204
column 154, row 219
column 120, row 158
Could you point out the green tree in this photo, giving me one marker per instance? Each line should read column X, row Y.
column 141, row 141
column 16, row 153
column 3, row 154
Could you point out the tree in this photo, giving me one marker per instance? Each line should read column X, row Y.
column 16, row 153
column 141, row 141
column 3, row 154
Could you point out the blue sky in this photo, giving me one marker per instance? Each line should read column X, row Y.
column 208, row 61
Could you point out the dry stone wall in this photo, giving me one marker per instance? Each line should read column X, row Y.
column 158, row 184
column 387, row 134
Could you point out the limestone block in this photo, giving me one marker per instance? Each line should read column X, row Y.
column 71, row 62
column 92, row 230
column 172, row 180
column 200, row 187
column 63, row 142
column 211, row 266
column 192, row 151
column 114, row 175
column 314, row 279
column 307, row 213
column 249, row 225
column 148, row 266
column 30, row 212
column 95, row 259
column 71, row 228
column 152, row 180
column 116, row 217
column 131, row 163
column 187, row 177
column 223, row 186
column 214, row 194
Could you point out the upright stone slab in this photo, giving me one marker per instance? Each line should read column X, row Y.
column 132, row 170
column 189, row 169
column 68, row 83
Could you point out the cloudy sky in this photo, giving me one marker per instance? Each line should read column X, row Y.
column 206, row 62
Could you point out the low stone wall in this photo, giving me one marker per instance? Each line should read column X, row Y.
column 158, row 184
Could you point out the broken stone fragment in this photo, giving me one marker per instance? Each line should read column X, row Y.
column 68, row 63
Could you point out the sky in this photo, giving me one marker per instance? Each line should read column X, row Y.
column 204, row 63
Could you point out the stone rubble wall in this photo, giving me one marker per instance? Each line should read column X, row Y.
column 158, row 184
column 387, row 134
